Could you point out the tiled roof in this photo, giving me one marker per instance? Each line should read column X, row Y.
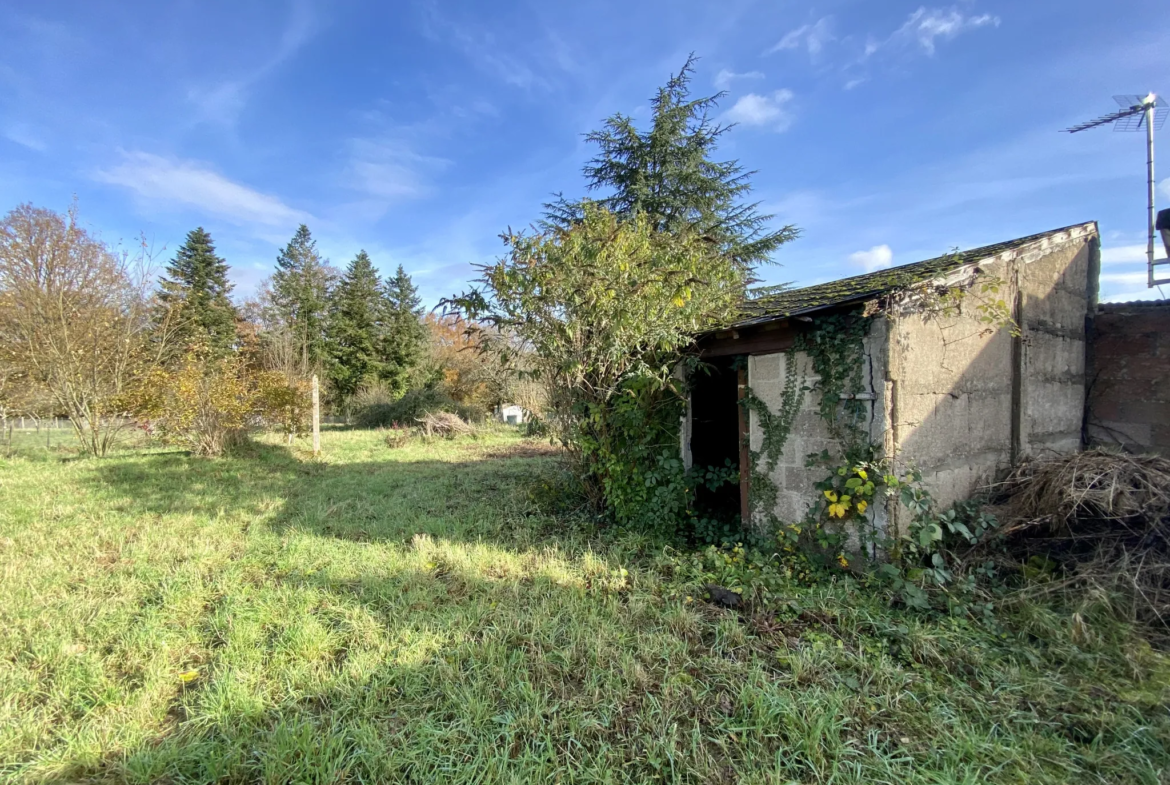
column 860, row 288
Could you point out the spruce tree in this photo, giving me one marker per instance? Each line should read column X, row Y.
column 196, row 292
column 667, row 173
column 300, row 294
column 355, row 328
column 405, row 336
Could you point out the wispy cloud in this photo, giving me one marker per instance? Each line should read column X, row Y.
column 876, row 258
column 25, row 137
column 770, row 111
column 927, row 25
column 1123, row 254
column 725, row 78
column 484, row 49
column 155, row 179
column 222, row 103
column 812, row 37
column 388, row 169
column 1127, row 280
column 1164, row 186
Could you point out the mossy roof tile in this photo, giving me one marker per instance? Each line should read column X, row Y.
column 860, row 288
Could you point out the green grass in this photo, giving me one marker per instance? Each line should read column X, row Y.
column 422, row 615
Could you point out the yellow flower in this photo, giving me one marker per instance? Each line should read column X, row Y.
column 861, row 505
column 831, row 496
column 842, row 561
column 837, row 510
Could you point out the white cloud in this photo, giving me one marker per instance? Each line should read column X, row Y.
column 1121, row 254
column 1164, row 186
column 531, row 62
column 812, row 37
column 876, row 258
column 1126, row 279
column 154, row 178
column 926, row 25
column 388, row 169
column 1133, row 296
column 724, row 78
column 763, row 110
column 223, row 102
column 24, row 136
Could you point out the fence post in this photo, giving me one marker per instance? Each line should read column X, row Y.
column 316, row 417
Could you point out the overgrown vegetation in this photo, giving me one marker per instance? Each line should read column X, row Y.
column 605, row 312
column 439, row 613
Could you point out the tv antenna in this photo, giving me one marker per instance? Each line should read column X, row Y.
column 1138, row 113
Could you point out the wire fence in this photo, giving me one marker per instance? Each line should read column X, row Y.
column 36, row 423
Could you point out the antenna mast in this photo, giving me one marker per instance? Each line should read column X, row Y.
column 1138, row 111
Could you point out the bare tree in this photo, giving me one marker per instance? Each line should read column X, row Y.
column 74, row 318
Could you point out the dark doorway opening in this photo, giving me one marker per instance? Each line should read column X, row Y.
column 715, row 436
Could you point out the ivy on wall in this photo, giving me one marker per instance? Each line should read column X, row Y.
column 835, row 347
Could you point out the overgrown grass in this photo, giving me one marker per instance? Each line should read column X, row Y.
column 422, row 615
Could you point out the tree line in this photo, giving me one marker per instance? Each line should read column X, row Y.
column 351, row 327
column 88, row 332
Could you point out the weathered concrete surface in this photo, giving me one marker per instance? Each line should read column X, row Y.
column 1129, row 376
column 1058, row 292
column 953, row 395
column 967, row 399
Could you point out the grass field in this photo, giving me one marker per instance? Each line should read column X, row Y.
column 427, row 614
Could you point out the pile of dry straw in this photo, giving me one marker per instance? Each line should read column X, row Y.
column 1098, row 521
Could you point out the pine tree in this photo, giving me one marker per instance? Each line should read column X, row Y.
column 195, row 290
column 405, row 334
column 356, row 328
column 667, row 173
column 300, row 294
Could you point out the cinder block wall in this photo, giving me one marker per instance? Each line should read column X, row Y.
column 809, row 434
column 1129, row 376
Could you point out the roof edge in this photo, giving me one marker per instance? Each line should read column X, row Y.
column 1032, row 247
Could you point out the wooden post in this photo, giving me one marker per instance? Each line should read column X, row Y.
column 316, row 417
column 745, row 462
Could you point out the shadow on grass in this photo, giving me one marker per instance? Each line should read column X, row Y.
column 508, row 494
column 463, row 650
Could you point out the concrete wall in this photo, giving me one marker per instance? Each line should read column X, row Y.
column 967, row 402
column 949, row 392
column 1058, row 290
column 957, row 397
column 1129, row 376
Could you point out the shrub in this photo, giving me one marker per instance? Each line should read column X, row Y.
column 607, row 310
column 284, row 402
column 397, row 436
column 379, row 412
column 202, row 404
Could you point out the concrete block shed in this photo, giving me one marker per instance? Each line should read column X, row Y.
column 945, row 389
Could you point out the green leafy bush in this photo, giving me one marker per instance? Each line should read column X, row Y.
column 607, row 311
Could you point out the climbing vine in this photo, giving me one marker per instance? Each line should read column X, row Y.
column 835, row 347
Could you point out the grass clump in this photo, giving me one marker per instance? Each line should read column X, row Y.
column 441, row 613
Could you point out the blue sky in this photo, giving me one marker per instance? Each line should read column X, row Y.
column 889, row 132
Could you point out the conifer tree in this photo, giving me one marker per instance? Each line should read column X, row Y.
column 667, row 173
column 195, row 290
column 356, row 328
column 300, row 295
column 405, row 336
